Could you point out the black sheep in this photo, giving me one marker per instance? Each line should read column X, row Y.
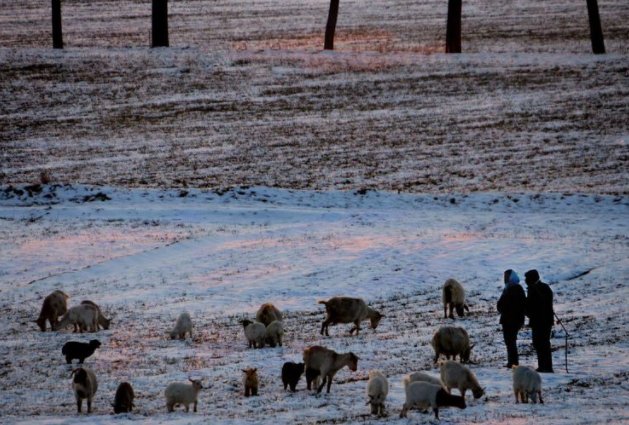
column 291, row 372
column 123, row 402
column 79, row 350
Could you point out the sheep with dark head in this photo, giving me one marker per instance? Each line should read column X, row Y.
column 79, row 350
column 454, row 298
column 423, row 395
column 54, row 306
column 255, row 332
column 85, row 385
column 323, row 362
column 348, row 310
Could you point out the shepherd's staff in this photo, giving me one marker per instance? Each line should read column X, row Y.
column 567, row 335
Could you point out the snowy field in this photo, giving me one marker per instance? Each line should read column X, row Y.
column 147, row 255
column 244, row 165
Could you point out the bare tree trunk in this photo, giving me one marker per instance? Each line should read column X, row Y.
column 453, row 29
column 160, row 23
column 57, row 35
column 331, row 26
column 596, row 32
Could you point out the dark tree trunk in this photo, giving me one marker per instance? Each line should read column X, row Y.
column 596, row 32
column 57, row 35
column 331, row 26
column 453, row 29
column 160, row 24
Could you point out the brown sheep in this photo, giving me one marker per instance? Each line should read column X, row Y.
column 268, row 313
column 348, row 310
column 320, row 361
column 250, row 381
column 453, row 298
column 54, row 306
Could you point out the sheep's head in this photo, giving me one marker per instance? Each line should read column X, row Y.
column 375, row 319
column 95, row 343
column 196, row 384
column 80, row 376
column 478, row 392
column 353, row 362
column 246, row 323
column 465, row 355
column 41, row 322
column 251, row 373
column 459, row 310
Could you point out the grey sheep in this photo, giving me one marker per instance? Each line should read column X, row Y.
column 103, row 322
column 274, row 332
column 377, row 391
column 527, row 382
column 452, row 341
column 182, row 327
column 255, row 332
column 455, row 375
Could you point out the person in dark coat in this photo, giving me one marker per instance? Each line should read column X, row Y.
column 511, row 306
column 539, row 309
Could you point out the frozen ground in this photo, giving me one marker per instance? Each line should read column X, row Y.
column 147, row 255
column 246, row 96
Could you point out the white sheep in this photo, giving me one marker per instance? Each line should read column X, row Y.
column 274, row 333
column 455, row 375
column 182, row 326
column 183, row 393
column 103, row 322
column 84, row 384
column 453, row 296
column 526, row 382
column 424, row 395
column 452, row 341
column 83, row 317
column 268, row 313
column 255, row 333
column 421, row 377
column 377, row 391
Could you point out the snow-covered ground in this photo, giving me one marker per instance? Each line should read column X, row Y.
column 147, row 255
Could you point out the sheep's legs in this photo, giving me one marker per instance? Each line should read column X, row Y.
column 436, row 410
column 541, row 400
column 79, row 404
column 355, row 328
column 323, row 381
column 194, row 409
column 89, row 405
column 324, row 326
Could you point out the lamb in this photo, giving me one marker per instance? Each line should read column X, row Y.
column 268, row 313
column 348, row 310
column 377, row 390
column 85, row 385
column 526, row 382
column 452, row 341
column 53, row 307
column 79, row 350
column 83, row 316
column 423, row 395
column 421, row 377
column 123, row 401
column 182, row 327
column 454, row 298
column 255, row 333
column 183, row 393
column 320, row 361
column 250, row 381
column 291, row 373
column 455, row 375
column 103, row 322
column 274, row 332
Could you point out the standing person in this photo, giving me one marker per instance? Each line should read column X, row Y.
column 511, row 306
column 539, row 309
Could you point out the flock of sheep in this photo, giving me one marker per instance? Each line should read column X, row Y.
column 320, row 364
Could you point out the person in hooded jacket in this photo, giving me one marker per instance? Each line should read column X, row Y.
column 511, row 306
column 539, row 309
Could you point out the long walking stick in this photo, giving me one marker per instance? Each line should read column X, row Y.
column 566, row 333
